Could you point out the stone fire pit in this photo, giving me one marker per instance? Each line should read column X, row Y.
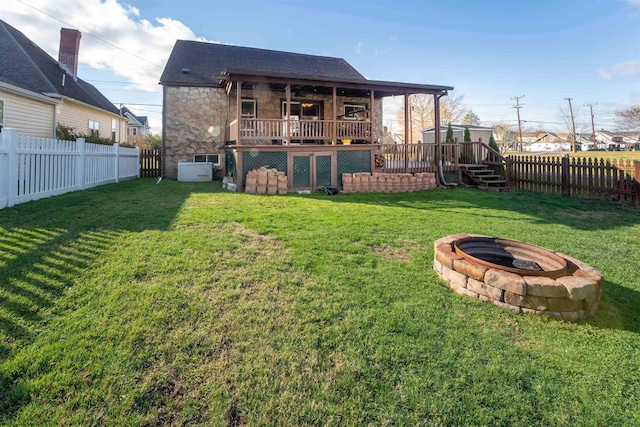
column 518, row 276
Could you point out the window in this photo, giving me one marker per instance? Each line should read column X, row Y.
column 249, row 108
column 210, row 158
column 134, row 131
column 354, row 111
column 113, row 130
column 94, row 128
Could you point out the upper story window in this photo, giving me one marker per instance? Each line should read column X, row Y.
column 354, row 111
column 94, row 128
column 113, row 130
column 248, row 108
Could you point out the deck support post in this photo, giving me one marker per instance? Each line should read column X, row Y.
column 407, row 131
column 372, row 138
column 239, row 110
column 334, row 140
column 288, row 112
column 437, row 130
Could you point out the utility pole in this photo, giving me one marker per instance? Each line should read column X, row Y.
column 593, row 126
column 518, row 107
column 573, row 125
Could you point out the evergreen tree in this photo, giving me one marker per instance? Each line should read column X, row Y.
column 493, row 144
column 467, row 134
column 449, row 137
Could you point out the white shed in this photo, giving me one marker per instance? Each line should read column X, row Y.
column 478, row 133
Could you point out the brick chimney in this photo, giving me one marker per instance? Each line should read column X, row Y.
column 69, row 49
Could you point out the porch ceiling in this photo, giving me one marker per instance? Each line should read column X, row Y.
column 345, row 87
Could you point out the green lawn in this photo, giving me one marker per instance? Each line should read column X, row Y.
column 180, row 304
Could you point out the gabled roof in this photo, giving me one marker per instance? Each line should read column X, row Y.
column 206, row 61
column 215, row 65
column 25, row 65
column 134, row 120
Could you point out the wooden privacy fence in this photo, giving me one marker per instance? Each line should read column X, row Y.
column 150, row 163
column 34, row 168
column 614, row 180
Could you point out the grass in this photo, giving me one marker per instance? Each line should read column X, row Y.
column 179, row 304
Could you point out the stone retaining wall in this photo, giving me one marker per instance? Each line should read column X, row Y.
column 570, row 297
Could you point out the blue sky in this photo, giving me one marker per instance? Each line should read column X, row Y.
column 490, row 51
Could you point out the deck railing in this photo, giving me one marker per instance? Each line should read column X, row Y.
column 280, row 129
column 479, row 153
column 408, row 158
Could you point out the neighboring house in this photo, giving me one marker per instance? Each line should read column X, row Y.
column 548, row 141
column 478, row 133
column 312, row 117
column 631, row 140
column 584, row 142
column 137, row 126
column 37, row 92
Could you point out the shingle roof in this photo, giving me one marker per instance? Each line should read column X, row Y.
column 27, row 66
column 207, row 60
column 143, row 120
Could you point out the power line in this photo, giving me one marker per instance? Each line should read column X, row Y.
column 88, row 33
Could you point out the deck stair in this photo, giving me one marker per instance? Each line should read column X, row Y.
column 483, row 176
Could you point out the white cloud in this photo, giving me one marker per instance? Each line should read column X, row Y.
column 135, row 49
column 634, row 2
column 359, row 47
column 625, row 69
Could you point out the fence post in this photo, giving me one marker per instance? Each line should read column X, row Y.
column 507, row 173
column 636, row 181
column 116, row 149
column 138, row 154
column 565, row 176
column 8, row 167
column 82, row 160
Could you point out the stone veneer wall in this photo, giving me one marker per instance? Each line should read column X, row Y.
column 570, row 297
column 191, row 112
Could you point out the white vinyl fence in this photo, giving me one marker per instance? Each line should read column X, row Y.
column 33, row 168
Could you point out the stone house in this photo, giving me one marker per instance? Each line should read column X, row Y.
column 312, row 117
column 37, row 92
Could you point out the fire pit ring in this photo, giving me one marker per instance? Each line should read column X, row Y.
column 518, row 276
column 511, row 255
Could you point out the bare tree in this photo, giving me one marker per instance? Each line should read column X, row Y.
column 628, row 119
column 452, row 110
column 506, row 136
column 582, row 122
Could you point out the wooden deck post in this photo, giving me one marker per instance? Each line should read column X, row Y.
column 239, row 111
column 407, row 130
column 288, row 112
column 371, row 117
column 437, row 134
column 335, row 116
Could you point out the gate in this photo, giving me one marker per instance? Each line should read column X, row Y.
column 150, row 163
